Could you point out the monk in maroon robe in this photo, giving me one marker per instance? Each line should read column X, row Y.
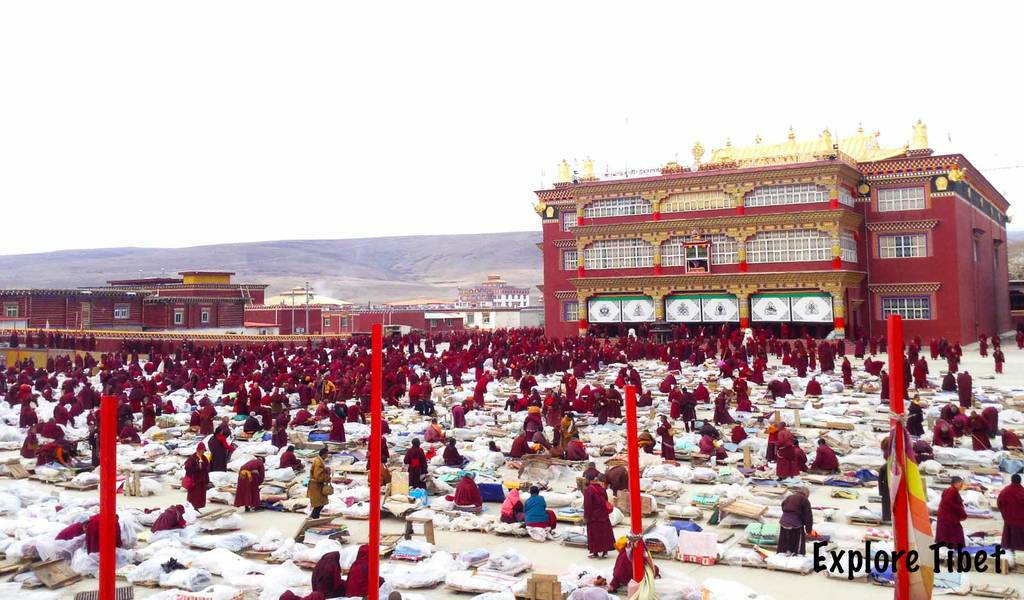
column 1011, row 505
column 738, row 433
column 1010, row 439
column 326, row 578
column 722, row 416
column 786, row 465
column 92, row 534
column 813, row 388
column 31, row 444
column 668, row 444
column 575, row 451
column 71, row 532
column 596, row 508
column 250, row 478
column 825, row 458
column 452, row 457
column 337, row 427
column 520, row 446
column 129, row 435
column 197, row 476
column 948, row 527
column 942, row 434
column 979, row 433
column 289, row 460
column 416, row 462
column 172, row 518
column 51, row 430
column 708, row 448
column 467, row 494
column 358, row 584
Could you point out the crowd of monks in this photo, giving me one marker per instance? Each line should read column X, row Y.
column 332, row 384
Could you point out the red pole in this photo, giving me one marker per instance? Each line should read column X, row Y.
column 900, row 505
column 633, row 450
column 108, row 494
column 376, row 373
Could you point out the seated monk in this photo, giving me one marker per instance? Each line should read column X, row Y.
column 172, row 518
column 252, row 424
column 646, row 442
column 451, row 456
column 813, row 388
column 467, row 494
column 51, row 452
column 520, row 446
column 302, row 417
column 948, row 383
column 31, row 444
column 575, row 450
column 1010, row 440
column 434, row 433
column 710, row 447
column 129, row 435
column 289, row 460
column 326, row 579
column 825, row 459
column 923, row 451
column 92, row 534
column 738, row 433
column 51, row 430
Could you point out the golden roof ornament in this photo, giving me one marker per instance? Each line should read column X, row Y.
column 792, row 135
column 920, row 139
column 826, row 139
column 539, row 208
column 564, row 176
column 698, row 152
column 757, row 138
column 588, row 170
column 956, row 173
column 860, row 128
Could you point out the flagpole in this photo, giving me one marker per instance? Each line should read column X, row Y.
column 635, row 504
column 374, row 455
column 898, row 452
column 107, row 440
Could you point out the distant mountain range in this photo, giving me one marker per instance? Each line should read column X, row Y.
column 358, row 270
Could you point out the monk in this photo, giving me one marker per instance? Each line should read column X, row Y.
column 337, row 426
column 787, row 464
column 452, row 457
column 617, row 478
column 220, row 448
column 709, row 447
column 915, row 418
column 964, row 389
column 71, row 532
column 948, row 527
column 358, row 584
column 596, row 508
column 646, row 441
column 250, row 478
column 1010, row 440
column 1011, row 505
column 948, row 382
column 797, row 521
column 458, row 417
column 92, row 534
column 942, row 434
column 289, row 460
column 172, row 518
column 668, row 448
column 825, row 460
column 434, row 433
column 979, row 432
column 622, row 572
column 738, row 434
column 279, row 439
column 575, row 451
column 568, row 429
column 722, row 416
column 31, row 444
column 197, row 477
column 416, row 461
column 326, row 578
column 467, row 495
column 813, row 388
column 520, row 446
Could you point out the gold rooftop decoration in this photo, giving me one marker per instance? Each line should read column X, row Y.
column 861, row 147
column 920, row 139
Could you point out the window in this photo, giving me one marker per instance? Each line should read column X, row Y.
column 845, row 197
column 975, row 247
column 697, row 259
column 617, row 207
column 486, row 318
column 904, row 245
column 469, row 318
column 570, row 310
column 344, row 323
column 204, row 315
column 179, row 316
column 11, row 310
column 799, row 245
column 912, row 309
column 570, row 260
column 710, row 200
column 723, row 250
column 120, row 311
column 568, row 220
column 300, row 330
column 848, row 246
column 619, row 254
column 908, row 198
column 773, row 195
column 327, row 322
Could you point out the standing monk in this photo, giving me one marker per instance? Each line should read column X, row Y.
column 668, row 445
column 1011, row 506
column 948, row 527
column 250, row 478
column 417, row 464
column 197, row 477
column 596, row 508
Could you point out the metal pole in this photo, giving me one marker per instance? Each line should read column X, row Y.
column 376, row 372
column 635, row 512
column 307, row 309
column 900, row 504
column 108, row 494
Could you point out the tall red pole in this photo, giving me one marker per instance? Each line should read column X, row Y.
column 108, row 494
column 376, row 378
column 633, row 451
column 900, row 506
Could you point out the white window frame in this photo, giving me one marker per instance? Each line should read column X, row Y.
column 796, row 245
column 630, row 253
column 11, row 310
column 903, row 245
column 690, row 201
column 910, row 308
column 327, row 323
column 845, row 197
column 571, row 309
column 204, row 315
column 848, row 247
column 617, row 207
column 570, row 259
column 122, row 311
column 901, row 198
column 179, row 316
column 724, row 249
column 568, row 220
column 778, row 195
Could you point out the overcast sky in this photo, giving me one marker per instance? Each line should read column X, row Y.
column 182, row 123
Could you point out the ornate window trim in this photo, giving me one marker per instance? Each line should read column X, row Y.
column 902, row 225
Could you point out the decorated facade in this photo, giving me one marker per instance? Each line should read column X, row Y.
column 829, row 235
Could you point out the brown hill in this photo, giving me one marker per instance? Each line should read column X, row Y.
column 359, row 270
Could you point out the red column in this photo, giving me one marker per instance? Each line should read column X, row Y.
column 376, row 368
column 744, row 322
column 108, row 495
column 657, row 215
column 743, row 266
column 837, row 263
column 900, row 506
column 579, row 220
column 740, row 209
column 580, row 271
column 633, row 451
column 657, row 269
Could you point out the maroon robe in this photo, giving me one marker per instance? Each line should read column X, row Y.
column 948, row 528
column 358, row 584
column 326, row 578
column 600, row 537
column 197, row 469
column 337, row 428
column 738, row 433
column 172, row 518
column 825, row 460
column 248, row 492
column 289, row 460
column 668, row 449
column 417, row 464
column 92, row 534
column 467, row 493
column 1011, row 506
column 71, row 532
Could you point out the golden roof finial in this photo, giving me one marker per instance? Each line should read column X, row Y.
column 588, row 169
column 564, row 176
column 698, row 152
column 860, row 128
column 826, row 139
column 728, row 142
column 757, row 138
column 920, row 139
column 792, row 135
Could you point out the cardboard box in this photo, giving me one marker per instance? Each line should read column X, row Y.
column 647, row 503
column 543, row 586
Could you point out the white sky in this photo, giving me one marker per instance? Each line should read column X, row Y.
column 183, row 123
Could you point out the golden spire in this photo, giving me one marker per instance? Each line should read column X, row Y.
column 860, row 128
column 757, row 138
column 826, row 139
column 698, row 152
column 588, row 170
column 792, row 135
column 920, row 139
column 563, row 172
